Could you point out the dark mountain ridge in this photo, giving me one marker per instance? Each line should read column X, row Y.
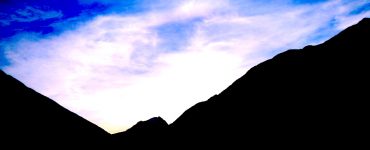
column 32, row 120
column 315, row 97
column 308, row 98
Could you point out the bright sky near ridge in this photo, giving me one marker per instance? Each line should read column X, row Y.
column 118, row 62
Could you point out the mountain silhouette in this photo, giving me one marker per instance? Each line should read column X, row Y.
column 29, row 119
column 307, row 98
column 313, row 97
column 149, row 133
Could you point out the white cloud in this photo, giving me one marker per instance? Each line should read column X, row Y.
column 344, row 21
column 114, row 70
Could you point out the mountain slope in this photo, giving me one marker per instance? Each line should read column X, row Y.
column 31, row 119
column 300, row 98
column 308, row 98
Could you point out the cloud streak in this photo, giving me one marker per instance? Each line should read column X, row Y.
column 30, row 14
column 118, row 69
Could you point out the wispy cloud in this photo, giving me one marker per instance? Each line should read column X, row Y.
column 30, row 14
column 118, row 69
column 100, row 1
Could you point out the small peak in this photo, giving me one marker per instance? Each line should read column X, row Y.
column 154, row 123
column 366, row 19
column 157, row 120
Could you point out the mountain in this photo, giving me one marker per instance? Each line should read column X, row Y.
column 29, row 119
column 149, row 133
column 313, row 97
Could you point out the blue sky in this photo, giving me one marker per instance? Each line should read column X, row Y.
column 119, row 62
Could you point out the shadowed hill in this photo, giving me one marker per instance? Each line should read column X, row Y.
column 300, row 98
column 308, row 98
column 29, row 119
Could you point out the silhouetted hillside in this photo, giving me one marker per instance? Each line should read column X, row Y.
column 31, row 120
column 309, row 98
column 314, row 97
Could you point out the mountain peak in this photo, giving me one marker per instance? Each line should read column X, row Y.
column 147, row 133
column 156, row 120
column 151, row 123
column 147, row 126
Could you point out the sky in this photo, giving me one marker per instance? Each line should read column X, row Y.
column 118, row 62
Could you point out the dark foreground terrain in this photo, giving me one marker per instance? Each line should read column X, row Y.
column 315, row 97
